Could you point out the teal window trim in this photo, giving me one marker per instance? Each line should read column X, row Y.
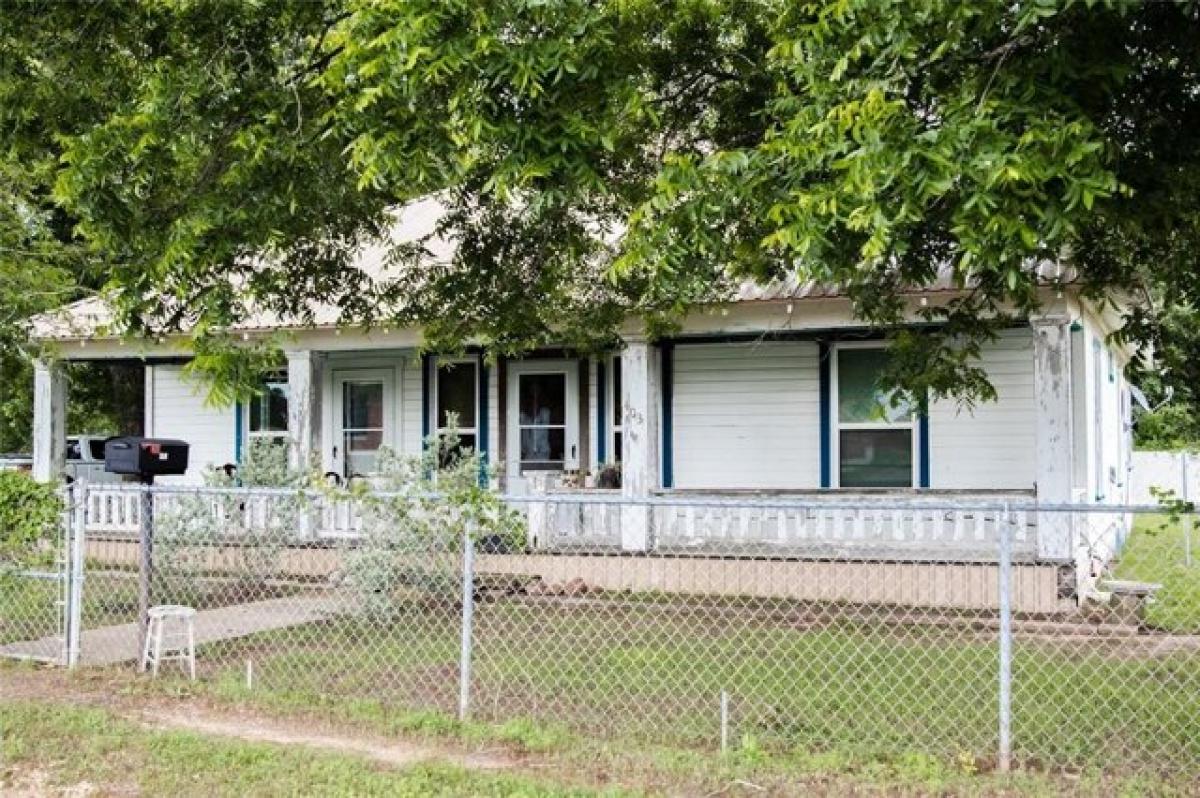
column 239, row 432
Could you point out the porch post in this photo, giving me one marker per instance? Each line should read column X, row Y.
column 1053, row 433
column 304, row 407
column 641, row 397
column 49, row 421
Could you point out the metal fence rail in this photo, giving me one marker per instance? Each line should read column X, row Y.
column 833, row 638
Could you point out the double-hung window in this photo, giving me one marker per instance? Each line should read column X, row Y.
column 268, row 411
column 457, row 400
column 874, row 439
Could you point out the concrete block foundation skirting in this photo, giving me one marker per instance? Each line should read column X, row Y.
column 960, row 586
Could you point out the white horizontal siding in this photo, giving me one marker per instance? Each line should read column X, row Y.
column 410, row 406
column 991, row 445
column 747, row 415
column 493, row 389
column 180, row 411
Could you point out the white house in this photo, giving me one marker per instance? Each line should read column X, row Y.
column 769, row 394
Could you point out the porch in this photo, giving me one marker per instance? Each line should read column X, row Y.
column 754, row 441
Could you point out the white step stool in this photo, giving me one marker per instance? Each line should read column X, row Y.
column 178, row 643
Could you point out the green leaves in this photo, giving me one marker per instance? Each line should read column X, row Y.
column 29, row 513
column 602, row 159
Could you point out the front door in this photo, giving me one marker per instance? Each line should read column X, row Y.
column 543, row 419
column 362, row 411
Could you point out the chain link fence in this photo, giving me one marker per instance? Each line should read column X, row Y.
column 876, row 627
column 36, row 598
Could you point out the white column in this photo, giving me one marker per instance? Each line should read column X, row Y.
column 641, row 400
column 49, row 421
column 1053, row 432
column 304, row 407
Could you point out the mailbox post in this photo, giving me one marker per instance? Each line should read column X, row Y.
column 145, row 564
column 145, row 458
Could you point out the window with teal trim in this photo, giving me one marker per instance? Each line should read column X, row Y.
column 457, row 400
column 875, row 436
column 268, row 411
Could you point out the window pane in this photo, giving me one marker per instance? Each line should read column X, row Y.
column 466, row 445
column 362, row 405
column 543, row 398
column 364, row 441
column 859, row 396
column 616, row 458
column 616, row 365
column 456, row 394
column 362, row 451
column 268, row 410
column 361, row 465
column 256, row 413
column 878, row 458
column 544, row 446
column 277, row 407
column 97, row 449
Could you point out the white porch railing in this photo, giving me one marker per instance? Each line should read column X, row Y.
column 841, row 527
column 113, row 513
column 117, row 512
column 814, row 525
column 818, row 524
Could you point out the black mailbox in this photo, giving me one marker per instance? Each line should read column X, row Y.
column 145, row 457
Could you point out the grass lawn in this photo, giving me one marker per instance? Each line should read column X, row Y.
column 48, row 746
column 59, row 745
column 1155, row 552
column 638, row 674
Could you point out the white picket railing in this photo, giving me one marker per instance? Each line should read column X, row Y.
column 698, row 522
column 113, row 513
column 815, row 526
column 117, row 513
column 687, row 522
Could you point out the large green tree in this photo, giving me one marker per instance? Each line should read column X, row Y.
column 601, row 157
column 46, row 95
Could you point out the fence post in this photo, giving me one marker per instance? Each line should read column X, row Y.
column 468, row 618
column 145, row 566
column 1187, row 518
column 75, row 558
column 1004, row 579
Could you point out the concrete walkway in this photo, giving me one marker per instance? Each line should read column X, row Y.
column 110, row 645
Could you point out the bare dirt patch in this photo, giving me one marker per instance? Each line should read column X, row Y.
column 196, row 715
column 392, row 752
column 36, row 783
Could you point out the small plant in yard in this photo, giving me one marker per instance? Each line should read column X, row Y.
column 415, row 518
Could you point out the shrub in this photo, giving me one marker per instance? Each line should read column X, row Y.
column 30, row 514
column 414, row 523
